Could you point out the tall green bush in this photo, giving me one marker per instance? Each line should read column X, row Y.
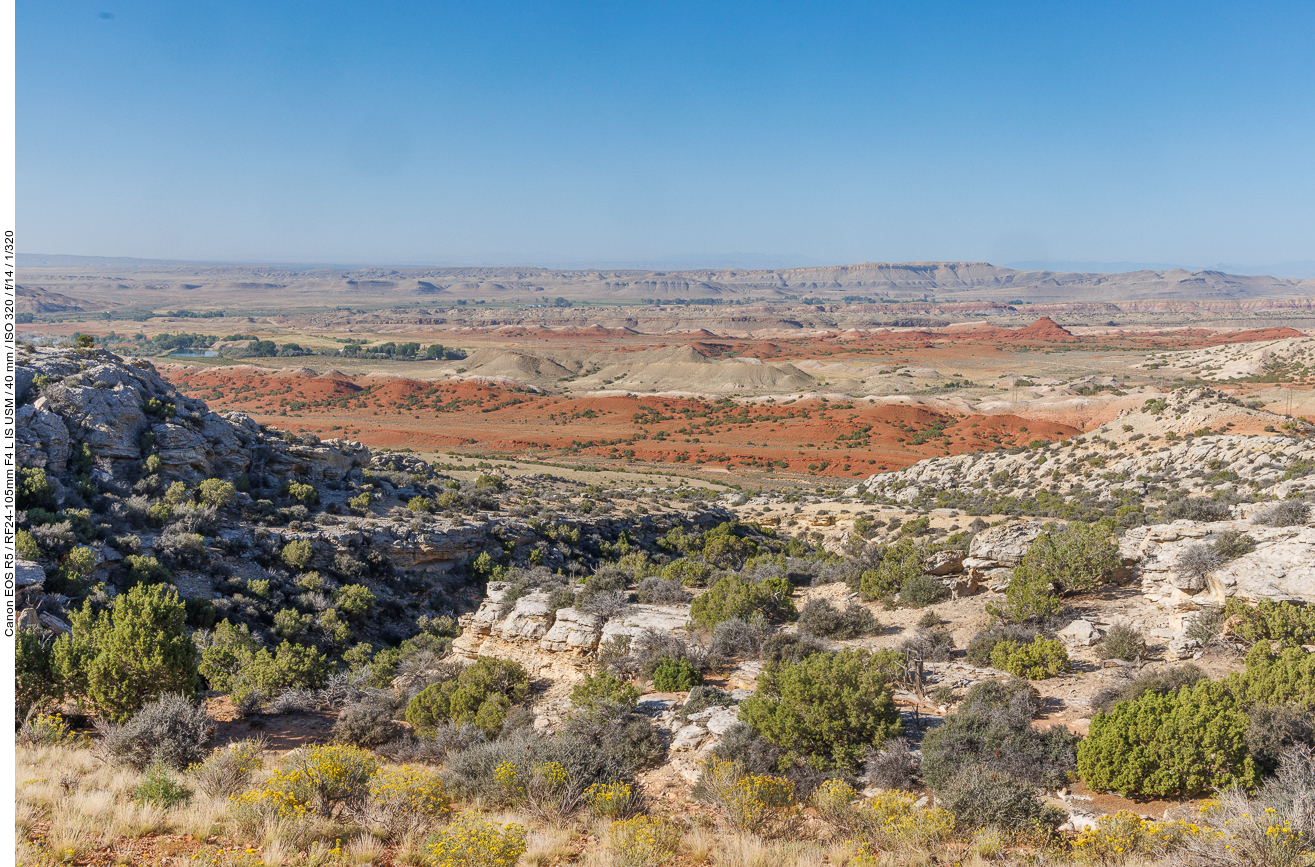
column 1285, row 677
column 138, row 651
column 1178, row 744
column 825, row 709
column 901, row 563
column 481, row 695
column 734, row 598
column 234, row 663
column 1077, row 559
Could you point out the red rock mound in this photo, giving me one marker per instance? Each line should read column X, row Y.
column 1043, row 329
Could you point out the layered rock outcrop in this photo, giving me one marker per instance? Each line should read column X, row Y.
column 93, row 409
column 560, row 643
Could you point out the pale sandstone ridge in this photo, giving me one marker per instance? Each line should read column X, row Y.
column 560, row 643
column 1281, row 568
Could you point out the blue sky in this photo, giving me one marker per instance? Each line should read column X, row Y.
column 553, row 133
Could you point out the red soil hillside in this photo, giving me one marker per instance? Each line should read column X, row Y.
column 816, row 437
column 1256, row 334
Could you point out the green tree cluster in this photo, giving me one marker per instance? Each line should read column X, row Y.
column 123, row 657
column 234, row 663
column 733, row 597
column 481, row 695
column 825, row 709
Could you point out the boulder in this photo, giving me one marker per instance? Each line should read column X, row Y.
column 1079, row 633
column 27, row 574
column 944, row 563
column 663, row 619
column 573, row 630
column 42, row 440
column 1005, row 544
column 529, row 620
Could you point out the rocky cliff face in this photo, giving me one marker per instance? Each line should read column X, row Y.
column 104, row 415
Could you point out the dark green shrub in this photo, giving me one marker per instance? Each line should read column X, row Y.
column 354, row 600
column 26, row 546
column 170, row 731
column 675, row 675
column 724, row 547
column 919, row 591
column 35, row 490
column 820, row 617
column 298, row 553
column 993, row 729
column 1178, row 744
column 733, row 597
column 1285, row 677
column 899, row 563
column 1029, row 597
column 35, row 682
column 1077, row 559
column 1121, row 641
column 303, row 493
column 217, row 493
column 201, row 613
column 232, row 662
column 604, row 688
column 1286, row 622
column 122, row 659
column 824, row 709
column 978, row 798
column 481, row 694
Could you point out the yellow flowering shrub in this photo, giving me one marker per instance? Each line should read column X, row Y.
column 612, row 800
column 747, row 801
column 228, row 769
column 1233, row 830
column 833, row 800
column 643, row 841
column 470, row 841
column 894, row 819
column 1114, row 839
column 47, row 729
column 405, row 796
column 544, row 788
column 328, row 780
